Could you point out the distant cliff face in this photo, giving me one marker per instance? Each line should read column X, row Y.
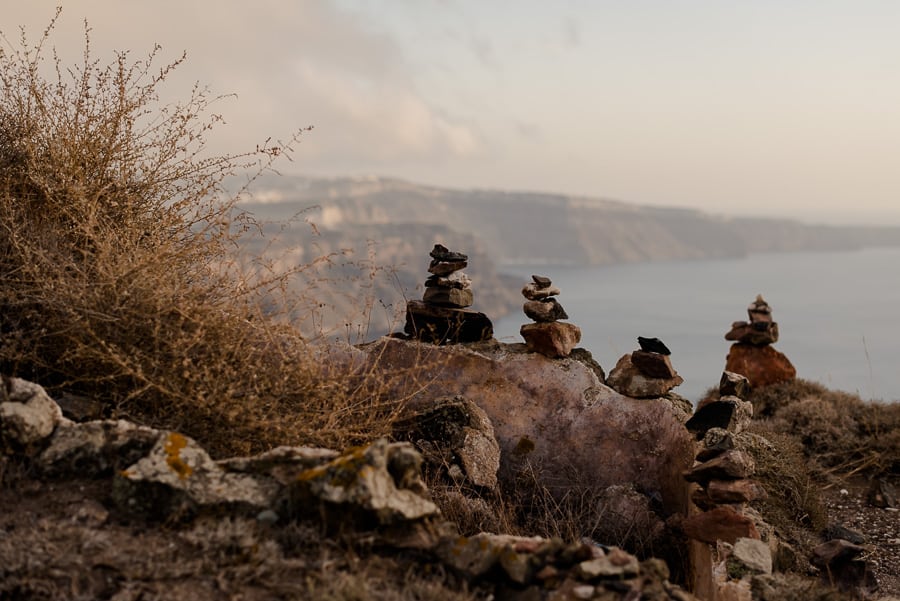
column 531, row 228
column 390, row 225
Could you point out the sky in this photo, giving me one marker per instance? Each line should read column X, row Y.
column 784, row 108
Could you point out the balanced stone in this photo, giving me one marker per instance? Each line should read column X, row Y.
column 544, row 311
column 733, row 384
column 627, row 379
column 653, row 365
column 759, row 310
column 456, row 279
column 552, row 339
column 446, row 325
column 541, row 281
column 653, row 345
column 531, row 291
column 444, row 268
column 449, row 297
column 759, row 333
column 442, row 253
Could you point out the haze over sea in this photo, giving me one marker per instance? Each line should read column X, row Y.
column 838, row 313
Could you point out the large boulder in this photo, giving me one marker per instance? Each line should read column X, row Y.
column 551, row 416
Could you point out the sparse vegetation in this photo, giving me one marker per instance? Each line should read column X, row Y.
column 118, row 274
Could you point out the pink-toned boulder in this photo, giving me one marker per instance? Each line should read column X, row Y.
column 551, row 416
column 554, row 339
column 761, row 365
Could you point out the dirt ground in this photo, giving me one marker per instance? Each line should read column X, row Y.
column 846, row 505
column 62, row 540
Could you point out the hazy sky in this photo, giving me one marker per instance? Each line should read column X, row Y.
column 782, row 107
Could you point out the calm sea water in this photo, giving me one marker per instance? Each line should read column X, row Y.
column 838, row 313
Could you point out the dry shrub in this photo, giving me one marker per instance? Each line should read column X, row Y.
column 118, row 279
column 793, row 494
column 840, row 432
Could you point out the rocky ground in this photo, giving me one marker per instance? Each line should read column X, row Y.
column 846, row 505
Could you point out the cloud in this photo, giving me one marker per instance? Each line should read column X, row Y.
column 290, row 64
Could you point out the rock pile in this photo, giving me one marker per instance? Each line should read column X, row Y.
column 547, row 336
column 442, row 316
column 751, row 355
column 645, row 373
column 722, row 473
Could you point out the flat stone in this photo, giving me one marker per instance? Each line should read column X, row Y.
column 722, row 523
column 554, row 339
column 627, row 379
column 749, row 556
column 442, row 253
column 653, row 345
column 533, row 292
column 728, row 413
column 735, row 491
column 459, row 298
column 446, row 325
column 445, row 268
column 653, row 364
column 544, row 311
column 715, row 442
column 541, row 281
column 457, row 279
column 762, row 366
column 732, row 384
column 758, row 333
column 730, row 465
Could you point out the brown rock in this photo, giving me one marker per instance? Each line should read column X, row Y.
column 735, row 491
column 448, row 297
column 732, row 384
column 446, row 325
column 759, row 310
column 456, row 279
column 544, row 311
column 554, row 339
column 882, row 494
column 719, row 524
column 627, row 379
column 653, row 365
column 445, row 268
column 758, row 333
column 835, row 551
column 730, row 465
column 534, row 292
column 715, row 442
column 762, row 366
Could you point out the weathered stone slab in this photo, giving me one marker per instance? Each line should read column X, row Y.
column 446, row 325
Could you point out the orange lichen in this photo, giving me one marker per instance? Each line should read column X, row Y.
column 174, row 443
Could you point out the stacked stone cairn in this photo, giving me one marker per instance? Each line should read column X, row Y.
column 751, row 354
column 722, row 472
column 547, row 336
column 645, row 373
column 442, row 316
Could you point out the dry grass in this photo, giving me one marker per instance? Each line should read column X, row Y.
column 118, row 278
column 840, row 433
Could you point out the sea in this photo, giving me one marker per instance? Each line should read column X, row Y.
column 838, row 313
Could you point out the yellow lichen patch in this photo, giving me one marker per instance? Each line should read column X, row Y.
column 174, row 443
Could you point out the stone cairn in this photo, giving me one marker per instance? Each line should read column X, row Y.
column 646, row 373
column 751, row 354
column 724, row 489
column 547, row 336
column 442, row 317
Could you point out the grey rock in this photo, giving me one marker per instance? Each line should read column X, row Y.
column 730, row 465
column 715, row 442
column 449, row 297
column 178, row 479
column 749, row 556
column 533, row 291
column 457, row 279
column 615, row 564
column 96, row 448
column 732, row 384
column 28, row 415
column 544, row 311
